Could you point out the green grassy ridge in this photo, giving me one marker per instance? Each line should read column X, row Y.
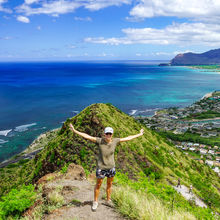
column 151, row 154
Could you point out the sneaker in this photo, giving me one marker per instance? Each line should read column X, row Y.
column 94, row 206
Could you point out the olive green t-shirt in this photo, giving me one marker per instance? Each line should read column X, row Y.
column 105, row 159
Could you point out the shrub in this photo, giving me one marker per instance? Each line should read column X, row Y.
column 16, row 201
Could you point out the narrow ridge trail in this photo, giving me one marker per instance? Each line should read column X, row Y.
column 75, row 193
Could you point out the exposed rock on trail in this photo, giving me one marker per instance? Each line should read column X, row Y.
column 190, row 196
column 75, row 193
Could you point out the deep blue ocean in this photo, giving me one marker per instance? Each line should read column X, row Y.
column 39, row 96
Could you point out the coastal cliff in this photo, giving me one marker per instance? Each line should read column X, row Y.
column 211, row 57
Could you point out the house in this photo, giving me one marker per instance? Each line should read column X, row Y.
column 203, row 151
column 209, row 157
column 179, row 146
column 180, row 130
column 209, row 162
column 216, row 169
column 173, row 117
column 212, row 134
column 216, row 164
column 202, row 146
column 192, row 148
column 211, row 152
column 205, row 135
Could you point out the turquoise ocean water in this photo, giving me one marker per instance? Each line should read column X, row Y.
column 36, row 97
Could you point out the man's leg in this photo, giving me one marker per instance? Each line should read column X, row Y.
column 109, row 187
column 97, row 189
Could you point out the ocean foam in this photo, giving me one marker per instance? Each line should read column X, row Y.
column 5, row 132
column 22, row 128
column 3, row 141
column 76, row 112
column 133, row 112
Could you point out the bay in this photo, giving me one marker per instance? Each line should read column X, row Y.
column 39, row 96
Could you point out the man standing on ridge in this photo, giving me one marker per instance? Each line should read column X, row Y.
column 105, row 160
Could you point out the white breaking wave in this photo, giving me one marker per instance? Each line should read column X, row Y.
column 22, row 128
column 150, row 110
column 137, row 112
column 76, row 112
column 5, row 132
column 133, row 112
column 3, row 141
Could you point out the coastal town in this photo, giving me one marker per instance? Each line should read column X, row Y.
column 194, row 129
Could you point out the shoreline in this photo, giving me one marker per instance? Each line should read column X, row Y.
column 203, row 69
column 207, row 95
column 30, row 151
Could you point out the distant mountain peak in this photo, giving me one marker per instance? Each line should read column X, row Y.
column 210, row 57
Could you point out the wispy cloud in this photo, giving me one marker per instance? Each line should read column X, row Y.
column 58, row 7
column 95, row 5
column 51, row 8
column 23, row 19
column 82, row 18
column 31, row 1
column 6, row 10
column 178, row 34
column 5, row 38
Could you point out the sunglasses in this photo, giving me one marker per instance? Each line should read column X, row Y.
column 108, row 133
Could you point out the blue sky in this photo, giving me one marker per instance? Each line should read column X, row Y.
column 106, row 29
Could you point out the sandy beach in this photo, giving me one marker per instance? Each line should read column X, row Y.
column 208, row 95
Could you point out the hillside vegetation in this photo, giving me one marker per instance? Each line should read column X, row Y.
column 149, row 164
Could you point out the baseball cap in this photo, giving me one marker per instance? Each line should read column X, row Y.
column 108, row 130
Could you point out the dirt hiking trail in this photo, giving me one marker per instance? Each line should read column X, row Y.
column 75, row 193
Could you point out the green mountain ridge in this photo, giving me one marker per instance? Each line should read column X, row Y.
column 149, row 157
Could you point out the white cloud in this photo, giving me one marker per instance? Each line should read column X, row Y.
column 178, row 34
column 39, row 27
column 196, row 9
column 103, row 54
column 23, row 19
column 5, row 38
column 94, row 5
column 57, row 7
column 31, row 1
column 4, row 9
column 53, row 8
column 71, row 46
column 82, row 19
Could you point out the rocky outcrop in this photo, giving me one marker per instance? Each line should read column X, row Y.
column 208, row 58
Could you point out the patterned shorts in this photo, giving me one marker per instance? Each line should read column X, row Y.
column 100, row 174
